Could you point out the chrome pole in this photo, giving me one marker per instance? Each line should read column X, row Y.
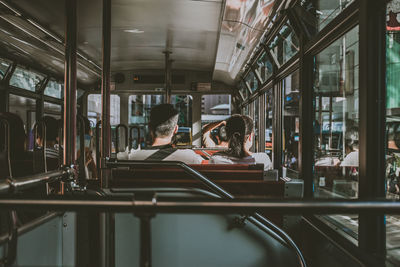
column 70, row 83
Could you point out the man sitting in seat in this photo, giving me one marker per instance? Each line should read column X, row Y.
column 163, row 126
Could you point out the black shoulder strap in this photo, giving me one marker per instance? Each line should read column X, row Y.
column 161, row 154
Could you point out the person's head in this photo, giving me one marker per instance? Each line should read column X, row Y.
column 51, row 131
column 239, row 130
column 351, row 139
column 163, row 122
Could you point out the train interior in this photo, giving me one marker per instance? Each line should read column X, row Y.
column 317, row 77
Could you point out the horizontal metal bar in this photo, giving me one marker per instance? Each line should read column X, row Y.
column 34, row 180
column 31, row 225
column 188, row 205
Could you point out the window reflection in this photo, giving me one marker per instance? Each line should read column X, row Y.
column 25, row 79
column 337, row 118
column 252, row 81
column 291, row 121
column 284, row 45
column 269, row 102
column 264, row 67
column 323, row 10
column 54, row 89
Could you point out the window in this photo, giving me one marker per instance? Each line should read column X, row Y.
column 94, row 109
column 215, row 108
column 336, row 126
column 26, row 79
column 256, row 112
column 243, row 91
column 324, row 10
column 54, row 89
column 269, row 107
column 392, row 123
column 290, row 122
column 4, row 66
column 264, row 67
column 252, row 81
column 284, row 45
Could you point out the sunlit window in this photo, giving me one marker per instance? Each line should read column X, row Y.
column 54, row 89
column 4, row 66
column 264, row 67
column 26, row 79
column 252, row 81
column 284, row 45
column 94, row 109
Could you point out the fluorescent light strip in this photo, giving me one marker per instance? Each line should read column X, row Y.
column 12, row 9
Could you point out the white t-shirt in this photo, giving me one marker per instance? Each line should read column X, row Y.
column 255, row 158
column 187, row 156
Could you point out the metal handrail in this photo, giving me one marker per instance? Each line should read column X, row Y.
column 256, row 219
column 165, row 190
column 82, row 157
column 22, row 183
column 190, row 205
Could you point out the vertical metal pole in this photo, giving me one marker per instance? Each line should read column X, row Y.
column 372, row 57
column 106, row 219
column 70, row 83
column 105, row 92
column 306, row 122
column 168, row 64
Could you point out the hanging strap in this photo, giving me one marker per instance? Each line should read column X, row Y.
column 161, row 154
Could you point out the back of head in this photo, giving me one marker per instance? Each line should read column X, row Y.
column 163, row 119
column 238, row 128
column 51, row 129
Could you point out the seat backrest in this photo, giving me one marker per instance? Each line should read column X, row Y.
column 17, row 134
column 211, row 171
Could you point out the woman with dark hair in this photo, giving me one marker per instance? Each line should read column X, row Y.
column 240, row 133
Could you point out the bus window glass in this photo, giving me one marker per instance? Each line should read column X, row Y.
column 53, row 110
column 392, row 122
column 54, row 89
column 256, row 112
column 4, row 66
column 264, row 67
column 94, row 109
column 214, row 109
column 252, row 81
column 336, row 126
column 25, row 79
column 284, row 45
column 139, row 115
column 269, row 102
column 325, row 10
column 291, row 121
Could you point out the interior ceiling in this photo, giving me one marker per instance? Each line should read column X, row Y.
column 189, row 29
column 203, row 35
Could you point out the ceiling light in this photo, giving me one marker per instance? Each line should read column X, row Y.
column 134, row 31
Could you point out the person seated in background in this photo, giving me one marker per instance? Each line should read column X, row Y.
column 163, row 126
column 240, row 133
column 52, row 148
column 90, row 162
column 221, row 137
